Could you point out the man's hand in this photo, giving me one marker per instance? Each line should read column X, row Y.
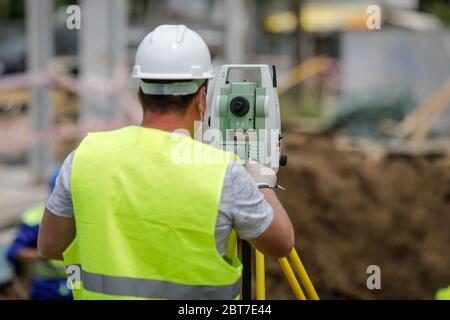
column 27, row 254
column 261, row 174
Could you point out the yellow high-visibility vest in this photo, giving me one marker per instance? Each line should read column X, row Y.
column 145, row 204
column 443, row 294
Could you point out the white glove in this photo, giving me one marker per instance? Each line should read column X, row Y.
column 263, row 176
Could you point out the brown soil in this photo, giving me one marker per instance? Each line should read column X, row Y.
column 350, row 212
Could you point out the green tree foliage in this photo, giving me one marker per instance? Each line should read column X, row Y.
column 11, row 10
column 440, row 8
column 15, row 9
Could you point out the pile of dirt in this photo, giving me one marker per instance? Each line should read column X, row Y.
column 351, row 212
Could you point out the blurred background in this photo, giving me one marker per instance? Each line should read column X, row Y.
column 365, row 102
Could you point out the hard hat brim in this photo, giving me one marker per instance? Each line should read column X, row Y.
column 179, row 76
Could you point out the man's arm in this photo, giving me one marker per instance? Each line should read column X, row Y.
column 58, row 225
column 278, row 239
column 256, row 214
column 55, row 235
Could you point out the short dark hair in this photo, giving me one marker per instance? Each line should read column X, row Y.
column 165, row 103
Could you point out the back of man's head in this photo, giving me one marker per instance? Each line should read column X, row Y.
column 163, row 103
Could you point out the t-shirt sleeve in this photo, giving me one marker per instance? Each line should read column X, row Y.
column 60, row 200
column 244, row 204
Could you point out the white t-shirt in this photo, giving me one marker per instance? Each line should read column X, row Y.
column 242, row 206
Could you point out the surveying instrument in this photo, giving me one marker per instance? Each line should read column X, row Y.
column 247, row 115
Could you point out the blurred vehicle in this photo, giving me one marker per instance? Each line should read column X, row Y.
column 12, row 50
column 13, row 46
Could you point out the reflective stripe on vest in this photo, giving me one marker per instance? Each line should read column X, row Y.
column 144, row 288
column 146, row 223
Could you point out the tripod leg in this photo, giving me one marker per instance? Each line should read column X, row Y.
column 260, row 277
column 304, row 278
column 292, row 279
column 247, row 271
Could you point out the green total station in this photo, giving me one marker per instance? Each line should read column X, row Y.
column 247, row 114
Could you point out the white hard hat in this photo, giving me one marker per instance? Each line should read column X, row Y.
column 172, row 52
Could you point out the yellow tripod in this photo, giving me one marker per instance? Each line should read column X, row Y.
column 289, row 273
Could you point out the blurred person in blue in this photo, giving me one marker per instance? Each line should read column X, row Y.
column 48, row 277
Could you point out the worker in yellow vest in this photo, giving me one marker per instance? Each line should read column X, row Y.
column 132, row 221
column 47, row 277
column 443, row 294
